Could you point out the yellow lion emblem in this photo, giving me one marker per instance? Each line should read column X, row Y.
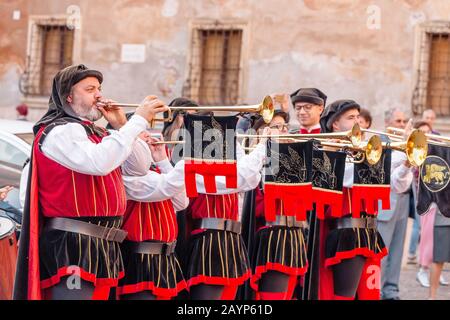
column 435, row 172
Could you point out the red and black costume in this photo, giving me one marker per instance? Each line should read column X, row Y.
column 350, row 245
column 150, row 260
column 95, row 199
column 217, row 254
column 281, row 239
column 59, row 201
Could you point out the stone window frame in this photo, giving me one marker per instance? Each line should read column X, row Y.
column 34, row 21
column 421, row 61
column 193, row 66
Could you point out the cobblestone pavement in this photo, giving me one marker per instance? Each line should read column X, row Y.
column 410, row 289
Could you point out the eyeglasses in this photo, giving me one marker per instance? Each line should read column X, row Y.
column 306, row 107
column 280, row 127
column 401, row 121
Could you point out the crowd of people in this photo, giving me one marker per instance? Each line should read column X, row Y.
column 109, row 214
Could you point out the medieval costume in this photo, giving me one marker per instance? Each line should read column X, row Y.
column 75, row 200
column 152, row 269
column 217, row 260
column 280, row 251
column 351, row 247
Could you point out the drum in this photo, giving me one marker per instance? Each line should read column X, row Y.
column 8, row 257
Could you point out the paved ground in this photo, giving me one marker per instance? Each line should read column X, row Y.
column 410, row 289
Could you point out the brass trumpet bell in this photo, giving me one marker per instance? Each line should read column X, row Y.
column 415, row 147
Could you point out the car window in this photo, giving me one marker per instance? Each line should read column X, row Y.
column 27, row 137
column 9, row 154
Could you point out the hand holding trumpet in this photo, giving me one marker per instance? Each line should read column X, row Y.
column 114, row 115
column 147, row 109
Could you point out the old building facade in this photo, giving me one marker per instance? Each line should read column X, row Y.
column 380, row 53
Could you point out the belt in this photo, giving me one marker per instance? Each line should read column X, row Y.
column 363, row 223
column 287, row 221
column 86, row 228
column 165, row 248
column 218, row 224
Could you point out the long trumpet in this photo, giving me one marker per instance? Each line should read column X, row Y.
column 372, row 151
column 265, row 108
column 435, row 137
column 415, row 147
column 354, row 136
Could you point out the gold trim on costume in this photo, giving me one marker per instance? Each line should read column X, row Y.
column 220, row 252
column 234, row 256
column 150, row 221
column 75, row 194
column 106, row 195
column 210, row 262
column 94, row 196
column 203, row 256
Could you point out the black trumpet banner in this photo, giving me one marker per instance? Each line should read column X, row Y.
column 287, row 182
column 371, row 184
column 434, row 178
column 327, row 179
column 210, row 151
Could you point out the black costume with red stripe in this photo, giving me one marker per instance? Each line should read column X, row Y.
column 371, row 185
column 216, row 257
column 287, row 197
column 161, row 274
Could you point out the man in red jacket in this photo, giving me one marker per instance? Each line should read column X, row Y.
column 69, row 246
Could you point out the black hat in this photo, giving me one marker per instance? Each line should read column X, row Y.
column 63, row 82
column 333, row 111
column 311, row 95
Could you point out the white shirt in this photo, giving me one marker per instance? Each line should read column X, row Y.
column 69, row 146
column 401, row 176
column 153, row 187
column 159, row 187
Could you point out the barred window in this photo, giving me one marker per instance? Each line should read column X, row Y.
column 438, row 93
column 432, row 88
column 51, row 49
column 215, row 67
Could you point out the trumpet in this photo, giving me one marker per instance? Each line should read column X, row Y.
column 168, row 142
column 371, row 151
column 415, row 147
column 442, row 139
column 265, row 109
column 354, row 136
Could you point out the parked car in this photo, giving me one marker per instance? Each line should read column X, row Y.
column 16, row 137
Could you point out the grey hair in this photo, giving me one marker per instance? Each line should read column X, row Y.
column 389, row 113
column 428, row 110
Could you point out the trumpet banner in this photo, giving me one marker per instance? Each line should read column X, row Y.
column 434, row 178
column 210, row 151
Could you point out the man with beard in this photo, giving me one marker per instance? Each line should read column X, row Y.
column 69, row 247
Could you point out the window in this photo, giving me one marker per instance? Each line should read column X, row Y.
column 215, row 66
column 50, row 50
column 438, row 93
column 11, row 156
column 432, row 88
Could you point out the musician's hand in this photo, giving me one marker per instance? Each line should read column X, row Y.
column 114, row 115
column 150, row 106
column 408, row 129
column 283, row 100
column 158, row 150
column 4, row 192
